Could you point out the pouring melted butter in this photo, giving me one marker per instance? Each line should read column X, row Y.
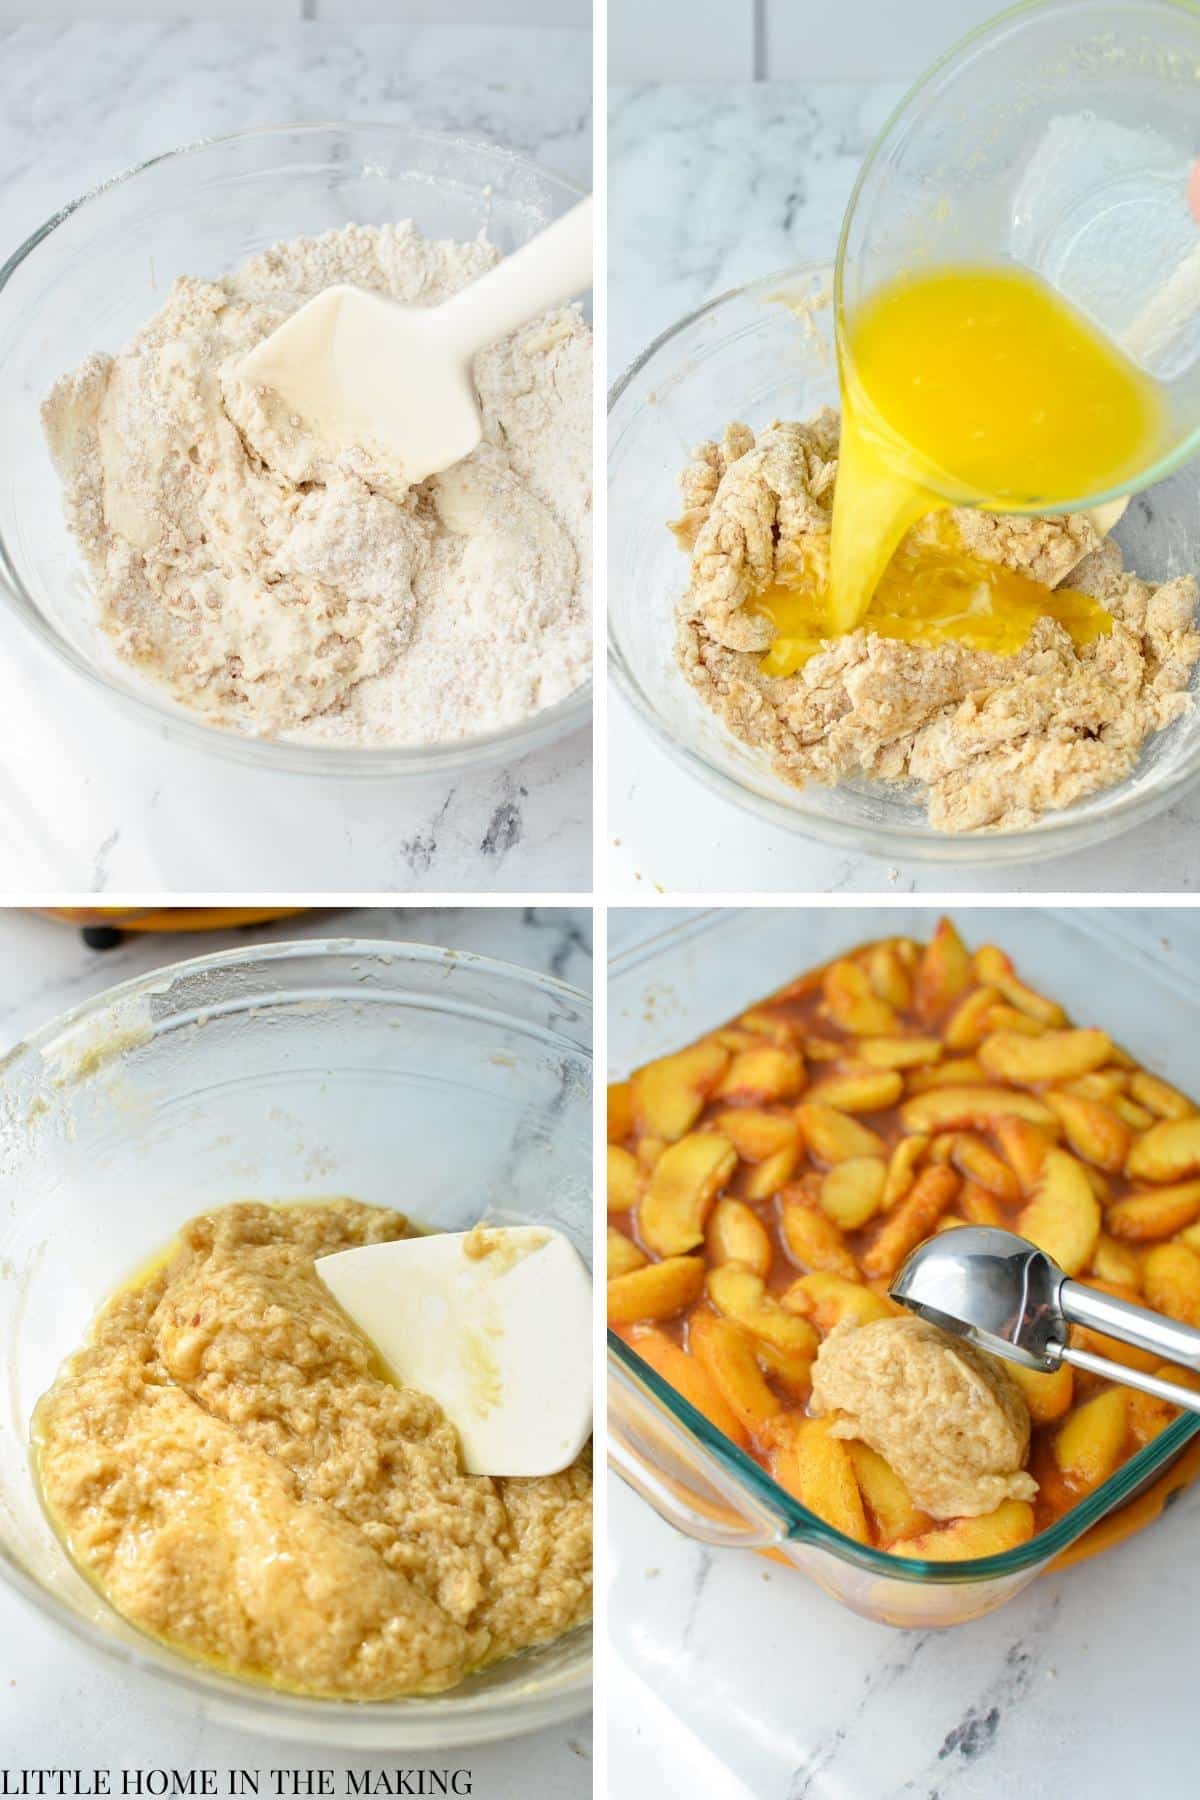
column 933, row 591
column 961, row 386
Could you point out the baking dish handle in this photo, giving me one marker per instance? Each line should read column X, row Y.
column 670, row 1468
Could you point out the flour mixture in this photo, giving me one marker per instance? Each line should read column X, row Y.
column 992, row 741
column 228, row 1463
column 281, row 592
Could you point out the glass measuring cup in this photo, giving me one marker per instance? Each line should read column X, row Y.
column 1062, row 137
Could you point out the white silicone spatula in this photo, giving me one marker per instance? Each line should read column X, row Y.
column 495, row 1325
column 361, row 371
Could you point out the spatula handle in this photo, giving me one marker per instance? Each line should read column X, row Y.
column 1130, row 1324
column 551, row 268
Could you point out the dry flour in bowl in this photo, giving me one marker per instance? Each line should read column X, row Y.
column 279, row 591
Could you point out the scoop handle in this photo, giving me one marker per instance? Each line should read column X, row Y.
column 1130, row 1324
column 1187, row 1398
column 550, row 269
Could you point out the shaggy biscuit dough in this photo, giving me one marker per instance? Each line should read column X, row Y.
column 949, row 1419
column 230, row 1467
column 995, row 741
column 280, row 590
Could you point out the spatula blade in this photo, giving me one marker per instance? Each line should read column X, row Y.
column 494, row 1324
column 362, row 372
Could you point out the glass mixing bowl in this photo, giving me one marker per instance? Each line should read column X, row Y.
column 437, row 1081
column 102, row 266
column 763, row 352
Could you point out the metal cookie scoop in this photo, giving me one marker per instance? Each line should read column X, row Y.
column 1000, row 1292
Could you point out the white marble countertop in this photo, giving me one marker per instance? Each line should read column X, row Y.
column 92, row 802
column 57, row 1705
column 711, row 185
column 738, row 1679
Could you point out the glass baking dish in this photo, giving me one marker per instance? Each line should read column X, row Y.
column 1108, row 968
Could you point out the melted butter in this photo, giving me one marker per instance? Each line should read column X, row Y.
column 932, row 592
column 976, row 386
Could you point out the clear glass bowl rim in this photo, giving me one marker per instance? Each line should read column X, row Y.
column 407, row 1724
column 387, row 761
column 803, row 1526
column 1055, row 834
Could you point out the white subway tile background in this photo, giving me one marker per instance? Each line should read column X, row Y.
column 788, row 40
column 565, row 13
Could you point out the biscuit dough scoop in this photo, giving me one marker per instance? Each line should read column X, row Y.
column 495, row 1324
column 1004, row 1295
column 365, row 373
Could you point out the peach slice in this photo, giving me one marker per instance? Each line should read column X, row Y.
column 1158, row 1213
column 1113, row 1261
column 902, row 1169
column 968, row 1024
column 816, row 1468
column 740, row 1294
column 812, row 1238
column 770, row 1025
column 977, row 1163
column 1025, row 1146
column 756, row 1135
column 828, row 1299
column 1089, row 1445
column 624, row 1179
column 1063, row 1218
column 1138, row 1118
column 792, row 1372
column 620, row 1111
column 1148, row 1415
column 764, row 1073
column 1009, row 1018
column 943, row 974
column 832, row 1136
column 971, row 1109
column 899, row 1052
column 889, row 976
column 1159, row 1097
column 1048, row 1393
column 726, row 1355
column 931, row 1194
column 990, row 1535
column 735, row 1233
column 1171, row 1281
column 683, row 1185
column 689, row 1378
column 764, row 1180
column 1167, row 1151
column 959, row 1071
column 668, row 1095
column 648, row 1150
column 852, row 1191
column 852, row 1004
column 978, row 1205
column 658, row 1291
column 994, row 967
column 1094, row 1131
column 895, row 1512
column 1055, row 1056
column 622, row 1254
column 858, row 1089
